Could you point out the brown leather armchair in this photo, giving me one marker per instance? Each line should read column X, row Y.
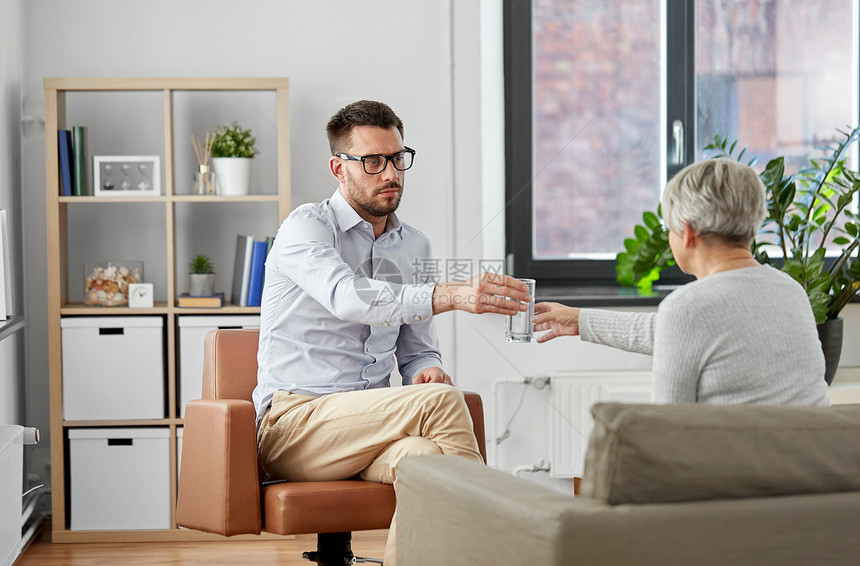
column 220, row 489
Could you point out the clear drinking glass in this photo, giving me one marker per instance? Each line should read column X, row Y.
column 519, row 327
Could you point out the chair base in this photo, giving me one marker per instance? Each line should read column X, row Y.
column 335, row 549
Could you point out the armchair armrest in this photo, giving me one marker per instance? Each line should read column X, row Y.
column 476, row 410
column 219, row 489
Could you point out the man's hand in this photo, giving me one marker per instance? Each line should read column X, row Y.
column 488, row 292
column 558, row 319
column 432, row 375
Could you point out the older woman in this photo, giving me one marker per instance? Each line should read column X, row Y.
column 742, row 333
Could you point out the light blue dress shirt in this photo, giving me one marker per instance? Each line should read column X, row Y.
column 338, row 304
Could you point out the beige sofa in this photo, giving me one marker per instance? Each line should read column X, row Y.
column 663, row 485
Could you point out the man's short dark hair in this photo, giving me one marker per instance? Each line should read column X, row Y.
column 361, row 113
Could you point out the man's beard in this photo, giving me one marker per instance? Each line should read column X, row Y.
column 367, row 204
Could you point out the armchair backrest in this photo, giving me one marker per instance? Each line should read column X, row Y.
column 230, row 363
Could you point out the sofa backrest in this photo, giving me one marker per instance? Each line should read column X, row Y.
column 689, row 452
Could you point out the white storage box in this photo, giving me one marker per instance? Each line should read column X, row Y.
column 192, row 332
column 120, row 478
column 113, row 368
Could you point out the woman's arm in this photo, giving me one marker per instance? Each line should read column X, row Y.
column 678, row 355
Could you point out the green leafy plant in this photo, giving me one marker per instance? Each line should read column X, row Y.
column 201, row 264
column 646, row 254
column 234, row 141
column 807, row 212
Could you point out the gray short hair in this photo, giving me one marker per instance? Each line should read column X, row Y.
column 721, row 199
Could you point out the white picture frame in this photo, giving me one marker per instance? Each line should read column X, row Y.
column 126, row 175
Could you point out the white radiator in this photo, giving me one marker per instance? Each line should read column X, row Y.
column 12, row 441
column 572, row 395
column 11, row 482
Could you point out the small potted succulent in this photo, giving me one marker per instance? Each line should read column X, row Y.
column 233, row 147
column 202, row 273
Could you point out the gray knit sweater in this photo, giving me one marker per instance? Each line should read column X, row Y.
column 740, row 336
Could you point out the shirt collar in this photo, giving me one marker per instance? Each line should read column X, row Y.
column 344, row 214
column 347, row 218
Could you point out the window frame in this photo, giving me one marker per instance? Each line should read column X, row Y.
column 679, row 61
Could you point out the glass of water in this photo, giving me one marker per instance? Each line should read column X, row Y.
column 519, row 327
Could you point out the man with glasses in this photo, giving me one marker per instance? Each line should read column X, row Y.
column 342, row 296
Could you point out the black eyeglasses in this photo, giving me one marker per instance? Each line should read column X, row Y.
column 376, row 164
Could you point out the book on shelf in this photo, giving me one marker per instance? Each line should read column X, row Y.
column 257, row 270
column 205, row 301
column 79, row 160
column 242, row 270
column 64, row 143
column 270, row 240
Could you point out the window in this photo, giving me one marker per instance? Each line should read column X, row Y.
column 605, row 100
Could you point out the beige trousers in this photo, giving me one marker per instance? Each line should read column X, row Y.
column 363, row 433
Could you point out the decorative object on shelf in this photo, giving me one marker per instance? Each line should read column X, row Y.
column 808, row 212
column 126, row 175
column 204, row 179
column 140, row 295
column 107, row 282
column 202, row 273
column 232, row 150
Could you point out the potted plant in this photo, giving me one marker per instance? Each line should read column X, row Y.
column 202, row 273
column 808, row 212
column 232, row 150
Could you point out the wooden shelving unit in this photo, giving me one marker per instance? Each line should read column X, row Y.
column 60, row 246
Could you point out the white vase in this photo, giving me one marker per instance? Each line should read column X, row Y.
column 232, row 175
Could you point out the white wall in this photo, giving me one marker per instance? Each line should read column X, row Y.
column 333, row 51
column 437, row 63
column 11, row 79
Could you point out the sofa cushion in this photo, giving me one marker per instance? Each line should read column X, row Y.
column 688, row 452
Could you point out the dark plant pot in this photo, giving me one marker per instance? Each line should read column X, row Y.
column 830, row 335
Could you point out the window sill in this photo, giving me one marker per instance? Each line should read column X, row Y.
column 13, row 324
column 608, row 295
column 601, row 295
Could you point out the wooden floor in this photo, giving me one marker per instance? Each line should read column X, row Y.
column 235, row 553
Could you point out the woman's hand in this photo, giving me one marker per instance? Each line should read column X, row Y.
column 558, row 319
